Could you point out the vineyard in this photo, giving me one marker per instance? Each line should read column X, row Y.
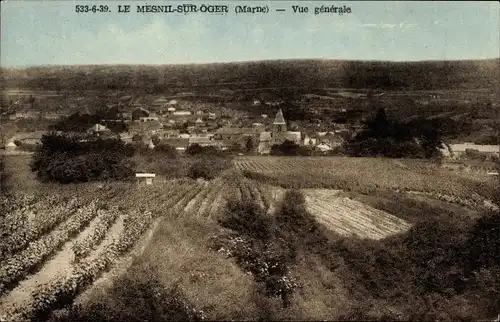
column 367, row 175
column 58, row 246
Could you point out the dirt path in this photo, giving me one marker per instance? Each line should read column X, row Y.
column 107, row 279
column 112, row 234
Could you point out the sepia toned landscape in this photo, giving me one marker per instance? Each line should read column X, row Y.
column 270, row 190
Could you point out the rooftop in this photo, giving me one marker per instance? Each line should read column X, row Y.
column 279, row 118
column 238, row 130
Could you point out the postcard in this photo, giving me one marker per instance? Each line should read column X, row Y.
column 249, row 160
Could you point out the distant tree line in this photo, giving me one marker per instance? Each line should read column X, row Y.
column 77, row 122
column 420, row 138
column 267, row 74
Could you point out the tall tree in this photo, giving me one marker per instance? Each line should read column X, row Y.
column 431, row 137
column 380, row 125
column 249, row 144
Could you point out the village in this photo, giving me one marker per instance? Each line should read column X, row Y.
column 180, row 123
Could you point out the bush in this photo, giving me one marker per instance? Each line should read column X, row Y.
column 290, row 148
column 200, row 169
column 167, row 150
column 247, row 218
column 205, row 151
column 134, row 300
column 194, row 149
column 4, row 177
column 297, row 227
column 483, row 247
column 207, row 167
column 257, row 249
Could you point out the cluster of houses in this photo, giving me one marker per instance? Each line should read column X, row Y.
column 261, row 139
column 172, row 116
column 205, row 130
column 222, row 138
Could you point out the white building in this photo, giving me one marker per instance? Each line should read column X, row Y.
column 460, row 149
column 11, row 146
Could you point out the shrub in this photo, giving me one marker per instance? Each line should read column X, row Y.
column 290, row 148
column 4, row 177
column 207, row 167
column 204, row 151
column 247, row 218
column 483, row 246
column 166, row 150
column 200, row 169
column 136, row 300
column 257, row 249
column 296, row 226
column 194, row 149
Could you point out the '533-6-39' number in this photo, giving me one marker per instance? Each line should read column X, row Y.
column 93, row 9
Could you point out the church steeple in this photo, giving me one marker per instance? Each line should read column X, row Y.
column 279, row 124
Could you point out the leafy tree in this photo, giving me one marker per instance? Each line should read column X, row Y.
column 194, row 149
column 390, row 138
column 167, row 150
column 250, row 145
column 201, row 169
column 379, row 126
column 155, row 139
column 289, row 148
column 431, row 137
column 80, row 158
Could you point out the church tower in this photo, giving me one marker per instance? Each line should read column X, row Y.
column 279, row 124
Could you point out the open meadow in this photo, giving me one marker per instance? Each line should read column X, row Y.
column 77, row 243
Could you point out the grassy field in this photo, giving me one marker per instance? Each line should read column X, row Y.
column 85, row 241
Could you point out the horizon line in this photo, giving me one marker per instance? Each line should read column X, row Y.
column 250, row 61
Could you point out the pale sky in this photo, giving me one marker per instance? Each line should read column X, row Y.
column 52, row 33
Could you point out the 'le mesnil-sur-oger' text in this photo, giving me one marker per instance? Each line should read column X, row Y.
column 212, row 9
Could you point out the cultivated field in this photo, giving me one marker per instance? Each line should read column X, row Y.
column 62, row 242
column 349, row 217
column 369, row 175
column 56, row 247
